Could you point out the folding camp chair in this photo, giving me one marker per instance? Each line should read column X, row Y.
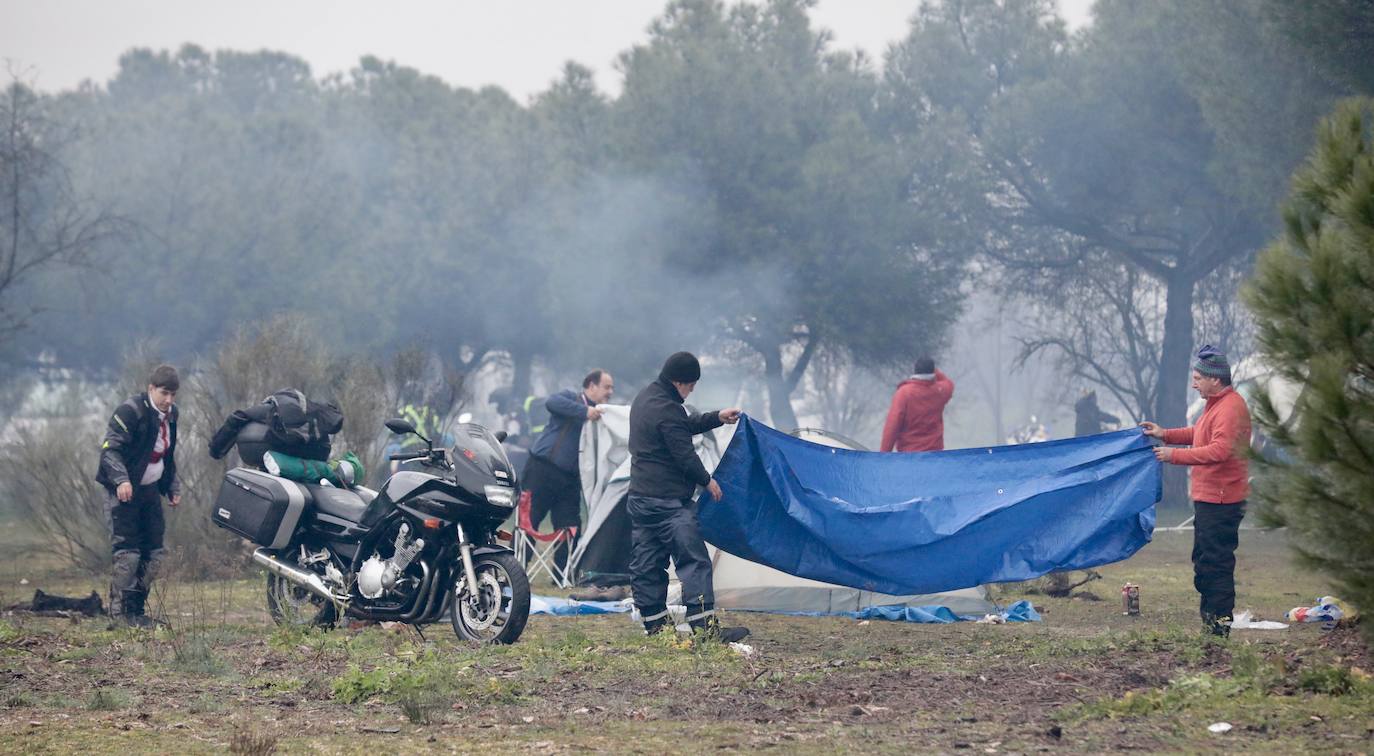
column 538, row 550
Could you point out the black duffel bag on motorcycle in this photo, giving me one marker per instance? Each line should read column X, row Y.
column 286, row 421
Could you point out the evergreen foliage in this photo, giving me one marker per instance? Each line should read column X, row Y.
column 1313, row 298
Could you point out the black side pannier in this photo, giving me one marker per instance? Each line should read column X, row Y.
column 256, row 439
column 263, row 508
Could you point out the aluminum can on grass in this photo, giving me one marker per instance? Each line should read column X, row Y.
column 1130, row 599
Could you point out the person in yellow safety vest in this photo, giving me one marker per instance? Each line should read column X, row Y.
column 425, row 420
column 536, row 416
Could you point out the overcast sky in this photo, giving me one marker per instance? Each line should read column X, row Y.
column 519, row 45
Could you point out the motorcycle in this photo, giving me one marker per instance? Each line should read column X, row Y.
column 422, row 548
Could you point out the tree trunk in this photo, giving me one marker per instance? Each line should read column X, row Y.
column 1171, row 401
column 779, row 393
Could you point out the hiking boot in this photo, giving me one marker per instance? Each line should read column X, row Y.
column 711, row 630
column 141, row 621
column 731, row 634
column 654, row 627
column 1217, row 626
column 133, row 610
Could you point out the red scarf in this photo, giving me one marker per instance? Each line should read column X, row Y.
column 156, row 456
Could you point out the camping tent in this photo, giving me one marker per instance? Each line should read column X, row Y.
column 602, row 555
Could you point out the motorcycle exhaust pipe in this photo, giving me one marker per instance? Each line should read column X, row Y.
column 307, row 580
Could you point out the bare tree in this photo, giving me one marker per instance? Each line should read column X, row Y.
column 43, row 223
column 1106, row 326
column 1105, row 329
column 47, row 471
column 997, row 392
column 847, row 398
column 1222, row 318
column 47, row 467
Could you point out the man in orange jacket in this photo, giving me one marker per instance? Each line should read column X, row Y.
column 1220, row 482
column 916, row 420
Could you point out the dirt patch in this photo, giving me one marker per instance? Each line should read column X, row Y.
column 813, row 684
column 1346, row 644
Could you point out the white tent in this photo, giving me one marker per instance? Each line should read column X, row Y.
column 739, row 583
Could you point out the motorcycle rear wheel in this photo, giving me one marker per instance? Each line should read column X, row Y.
column 290, row 604
column 499, row 613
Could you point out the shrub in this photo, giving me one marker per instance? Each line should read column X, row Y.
column 424, row 685
column 197, row 656
column 48, row 475
column 47, row 471
column 251, row 742
column 1313, row 299
column 105, row 699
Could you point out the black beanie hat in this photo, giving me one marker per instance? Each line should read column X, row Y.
column 681, row 367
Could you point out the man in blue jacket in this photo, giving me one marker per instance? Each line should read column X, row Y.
column 551, row 474
column 664, row 475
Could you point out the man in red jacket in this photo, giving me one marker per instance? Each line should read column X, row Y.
column 1220, row 482
column 916, row 419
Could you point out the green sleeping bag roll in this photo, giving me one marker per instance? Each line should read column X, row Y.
column 344, row 473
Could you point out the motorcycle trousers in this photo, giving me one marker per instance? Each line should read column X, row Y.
column 664, row 529
column 136, row 530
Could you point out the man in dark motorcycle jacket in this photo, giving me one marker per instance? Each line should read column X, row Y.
column 664, row 474
column 137, row 468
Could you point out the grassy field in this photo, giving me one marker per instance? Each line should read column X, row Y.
column 1085, row 679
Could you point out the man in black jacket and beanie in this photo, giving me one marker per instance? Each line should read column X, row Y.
column 664, row 474
column 137, row 468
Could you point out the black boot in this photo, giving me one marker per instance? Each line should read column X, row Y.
column 1217, row 626
column 654, row 627
column 709, row 628
column 134, row 615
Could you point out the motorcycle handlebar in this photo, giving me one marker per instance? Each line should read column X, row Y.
column 406, row 456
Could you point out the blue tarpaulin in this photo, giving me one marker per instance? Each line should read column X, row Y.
column 563, row 607
column 933, row 521
column 1021, row 611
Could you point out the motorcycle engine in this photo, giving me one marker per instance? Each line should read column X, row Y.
column 370, row 577
column 377, row 576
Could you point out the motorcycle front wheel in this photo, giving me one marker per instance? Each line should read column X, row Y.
column 497, row 614
column 290, row 604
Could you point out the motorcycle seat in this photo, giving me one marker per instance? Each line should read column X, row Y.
column 338, row 502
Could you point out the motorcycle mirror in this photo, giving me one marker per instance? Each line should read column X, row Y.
column 397, row 425
column 500, row 437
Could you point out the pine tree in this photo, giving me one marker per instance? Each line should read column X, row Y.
column 1313, row 298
